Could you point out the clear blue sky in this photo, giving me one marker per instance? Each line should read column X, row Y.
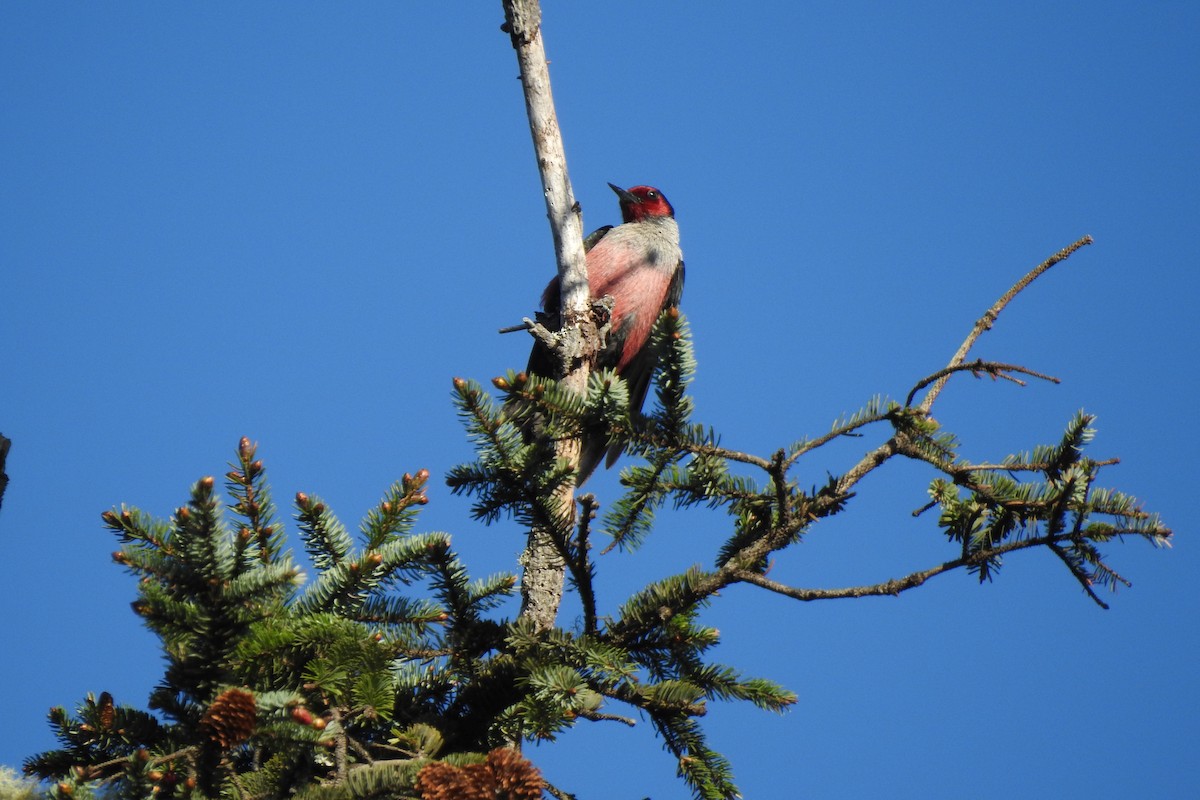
column 297, row 222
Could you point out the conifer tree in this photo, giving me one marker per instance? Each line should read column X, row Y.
column 392, row 673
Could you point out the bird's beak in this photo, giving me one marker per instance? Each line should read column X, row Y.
column 625, row 196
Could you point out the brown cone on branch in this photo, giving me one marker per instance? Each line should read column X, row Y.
column 505, row 775
column 231, row 718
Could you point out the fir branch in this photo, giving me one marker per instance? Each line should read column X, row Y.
column 671, row 342
column 583, row 571
column 705, row 770
column 397, row 511
column 325, row 538
column 400, row 611
column 783, row 492
column 1078, row 572
column 1069, row 450
column 631, row 518
column 246, row 484
column 877, row 409
column 724, row 683
column 526, row 481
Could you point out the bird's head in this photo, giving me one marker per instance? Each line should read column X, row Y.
column 642, row 202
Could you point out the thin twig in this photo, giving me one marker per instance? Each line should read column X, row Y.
column 543, row 334
column 363, row 753
column 897, row 585
column 967, row 467
column 95, row 770
column 995, row 369
column 841, row 430
column 919, row 511
column 1079, row 576
column 985, row 322
column 726, row 454
column 555, row 792
column 596, row 716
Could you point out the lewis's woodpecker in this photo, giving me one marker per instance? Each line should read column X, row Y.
column 639, row 264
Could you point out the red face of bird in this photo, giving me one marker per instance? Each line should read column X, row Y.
column 642, row 202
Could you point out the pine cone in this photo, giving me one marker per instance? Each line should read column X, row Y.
column 106, row 713
column 506, row 775
column 441, row 781
column 516, row 778
column 230, row 719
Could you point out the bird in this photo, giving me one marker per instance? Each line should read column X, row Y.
column 640, row 265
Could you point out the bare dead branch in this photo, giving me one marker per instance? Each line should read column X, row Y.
column 897, row 585
column 543, row 334
column 978, row 367
column 985, row 322
column 543, row 562
column 523, row 22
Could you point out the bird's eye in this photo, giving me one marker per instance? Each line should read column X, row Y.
column 650, row 195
